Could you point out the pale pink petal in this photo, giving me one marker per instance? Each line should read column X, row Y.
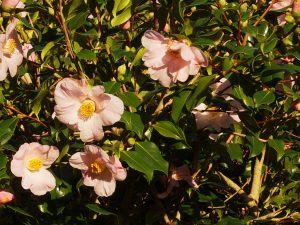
column 10, row 3
column 99, row 97
column 281, row 19
column 200, row 107
column 182, row 74
column 113, row 111
column 222, row 87
column 185, row 51
column 69, row 92
column 281, row 4
column 194, row 67
column 17, row 167
column 155, row 57
column 88, row 180
column 68, row 114
column 106, row 185
column 162, row 75
column 120, row 173
column 52, row 155
column 200, row 57
column 13, row 62
column 91, row 129
column 152, row 39
column 39, row 182
column 77, row 161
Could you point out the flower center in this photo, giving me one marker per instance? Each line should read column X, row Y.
column 87, row 108
column 9, row 46
column 213, row 108
column 98, row 166
column 34, row 164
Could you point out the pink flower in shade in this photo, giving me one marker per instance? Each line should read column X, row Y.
column 86, row 109
column 31, row 162
column 297, row 106
column 281, row 4
column 178, row 173
column 26, row 49
column 213, row 117
column 11, row 54
column 168, row 60
column 99, row 170
column 11, row 3
column 6, row 197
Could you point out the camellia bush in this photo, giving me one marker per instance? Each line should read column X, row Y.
column 149, row 112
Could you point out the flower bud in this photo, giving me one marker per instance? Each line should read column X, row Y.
column 244, row 7
column 297, row 106
column 126, row 25
column 6, row 197
column 131, row 141
column 122, row 69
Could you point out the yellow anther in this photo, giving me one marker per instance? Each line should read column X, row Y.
column 9, row 46
column 87, row 108
column 97, row 166
column 34, row 164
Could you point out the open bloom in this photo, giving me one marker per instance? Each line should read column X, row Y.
column 11, row 55
column 212, row 117
column 178, row 173
column 12, row 4
column 99, row 170
column 169, row 60
column 31, row 162
column 86, row 109
column 6, row 197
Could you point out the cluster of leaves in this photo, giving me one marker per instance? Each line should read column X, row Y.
column 157, row 131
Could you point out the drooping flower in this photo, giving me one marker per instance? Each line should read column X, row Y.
column 86, row 109
column 169, row 60
column 6, row 197
column 213, row 117
column 11, row 55
column 99, row 170
column 27, row 48
column 31, row 162
column 178, row 173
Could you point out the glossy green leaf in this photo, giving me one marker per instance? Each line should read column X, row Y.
column 201, row 88
column 111, row 87
column 146, row 158
column 86, row 54
column 130, row 99
column 263, row 97
column 120, row 5
column 121, row 18
column 179, row 102
column 168, row 129
column 269, row 45
column 74, row 5
column 7, row 129
column 78, row 20
column 133, row 122
column 19, row 210
column 47, row 48
column 278, row 145
column 97, row 209
column 255, row 146
column 235, row 152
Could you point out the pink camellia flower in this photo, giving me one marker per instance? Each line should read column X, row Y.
column 11, row 55
column 6, row 197
column 99, row 170
column 178, row 173
column 212, row 117
column 26, row 49
column 31, row 162
column 86, row 109
column 297, row 106
column 169, row 60
column 12, row 4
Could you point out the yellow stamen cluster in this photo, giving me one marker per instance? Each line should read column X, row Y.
column 9, row 47
column 34, row 164
column 97, row 166
column 213, row 109
column 87, row 108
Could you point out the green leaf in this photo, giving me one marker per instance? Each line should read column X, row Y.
column 146, row 158
column 37, row 102
column 7, row 129
column 78, row 20
column 19, row 210
column 133, row 122
column 263, row 97
column 239, row 93
column 202, row 87
column 269, row 46
column 130, row 99
column 120, row 5
column 178, row 10
column 235, row 152
column 278, row 145
column 74, row 5
column 178, row 104
column 168, row 129
column 121, row 18
column 254, row 145
column 95, row 208
column 138, row 57
column 111, row 87
column 47, row 48
column 86, row 54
